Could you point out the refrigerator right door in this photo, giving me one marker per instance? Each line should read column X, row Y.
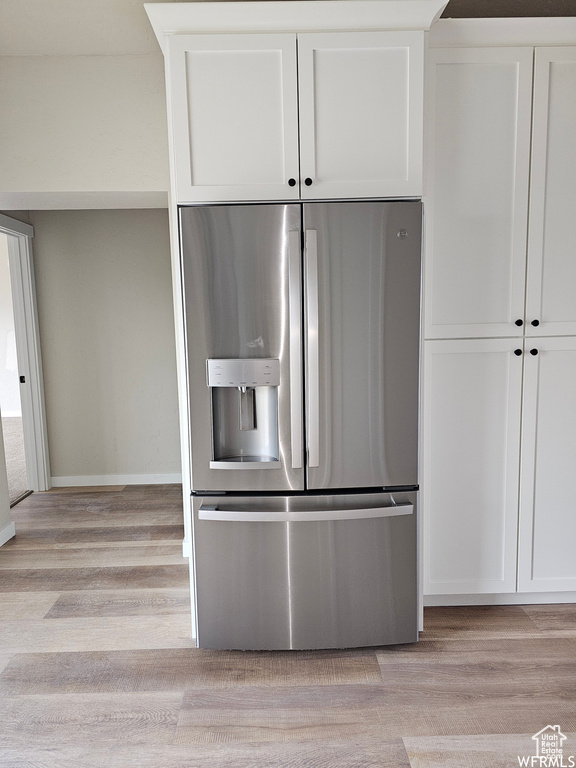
column 362, row 268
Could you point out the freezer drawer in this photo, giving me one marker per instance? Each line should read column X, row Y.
column 305, row 572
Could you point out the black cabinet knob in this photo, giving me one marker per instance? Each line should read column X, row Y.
column 535, row 323
column 291, row 182
column 308, row 181
column 533, row 351
column 519, row 322
column 518, row 352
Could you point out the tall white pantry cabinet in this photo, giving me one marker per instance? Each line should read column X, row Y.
column 499, row 403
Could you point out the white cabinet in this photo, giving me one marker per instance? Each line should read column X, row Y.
column 482, row 267
column 361, row 103
column 500, row 277
column 234, row 115
column 551, row 285
column 547, row 542
column 474, row 448
column 471, row 460
column 282, row 116
column 478, row 150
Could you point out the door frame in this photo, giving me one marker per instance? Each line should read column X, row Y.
column 28, row 350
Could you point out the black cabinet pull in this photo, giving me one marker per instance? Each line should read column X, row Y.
column 519, row 322
column 533, row 351
column 518, row 352
column 291, row 182
column 308, row 181
column 535, row 323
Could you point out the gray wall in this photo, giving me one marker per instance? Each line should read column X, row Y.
column 87, row 125
column 104, row 293
column 84, row 110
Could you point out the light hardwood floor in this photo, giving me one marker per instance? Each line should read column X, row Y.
column 97, row 669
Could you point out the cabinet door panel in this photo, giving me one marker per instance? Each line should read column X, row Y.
column 361, row 113
column 551, row 286
column 234, row 116
column 547, row 555
column 471, row 461
column 477, row 191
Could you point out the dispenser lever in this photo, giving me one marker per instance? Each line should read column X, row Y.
column 247, row 408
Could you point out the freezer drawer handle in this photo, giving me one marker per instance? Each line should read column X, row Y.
column 212, row 512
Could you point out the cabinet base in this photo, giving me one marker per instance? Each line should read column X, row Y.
column 515, row 598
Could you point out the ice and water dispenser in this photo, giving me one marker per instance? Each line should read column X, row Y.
column 244, row 398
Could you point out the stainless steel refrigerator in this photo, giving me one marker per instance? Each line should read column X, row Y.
column 302, row 328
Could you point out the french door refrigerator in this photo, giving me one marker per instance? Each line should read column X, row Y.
column 302, row 329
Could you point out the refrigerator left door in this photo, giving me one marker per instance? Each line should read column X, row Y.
column 242, row 295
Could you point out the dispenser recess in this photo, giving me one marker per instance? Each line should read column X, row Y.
column 244, row 400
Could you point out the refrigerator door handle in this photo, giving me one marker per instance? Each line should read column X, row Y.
column 313, row 361
column 295, row 349
column 214, row 512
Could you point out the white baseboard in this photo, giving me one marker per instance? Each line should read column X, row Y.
column 7, row 533
column 186, row 548
column 516, row 598
column 11, row 414
column 91, row 480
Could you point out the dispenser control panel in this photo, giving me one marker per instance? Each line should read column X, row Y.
column 243, row 373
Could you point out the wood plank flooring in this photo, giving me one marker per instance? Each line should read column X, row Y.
column 97, row 668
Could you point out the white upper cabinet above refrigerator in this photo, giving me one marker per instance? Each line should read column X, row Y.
column 295, row 100
column 361, row 101
column 239, row 112
column 234, row 113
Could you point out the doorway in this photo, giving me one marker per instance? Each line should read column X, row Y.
column 21, row 386
column 10, row 402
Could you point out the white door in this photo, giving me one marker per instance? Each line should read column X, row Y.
column 478, row 146
column 361, row 114
column 551, row 284
column 234, row 113
column 29, row 357
column 547, row 553
column 471, row 432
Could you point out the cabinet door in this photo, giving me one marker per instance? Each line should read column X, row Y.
column 547, row 554
column 234, row 114
column 361, row 114
column 471, row 438
column 478, row 147
column 551, row 285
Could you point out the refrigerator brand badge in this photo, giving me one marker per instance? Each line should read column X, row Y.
column 549, row 750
